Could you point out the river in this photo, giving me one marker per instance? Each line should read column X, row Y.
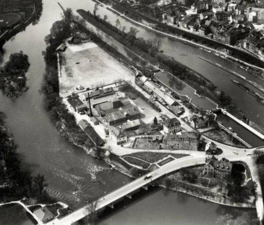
column 68, row 170
column 190, row 56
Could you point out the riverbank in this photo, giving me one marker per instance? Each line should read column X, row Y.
column 157, row 26
column 252, row 83
column 188, row 188
column 197, row 81
column 26, row 211
column 12, row 176
column 51, row 61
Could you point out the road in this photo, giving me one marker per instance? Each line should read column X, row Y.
column 197, row 158
column 129, row 188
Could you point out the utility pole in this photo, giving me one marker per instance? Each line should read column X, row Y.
column 89, row 100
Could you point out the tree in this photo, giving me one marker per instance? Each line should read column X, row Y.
column 123, row 29
column 156, row 43
column 131, row 35
column 105, row 17
column 68, row 15
column 118, row 24
column 155, row 121
column 96, row 7
column 246, row 218
column 92, row 214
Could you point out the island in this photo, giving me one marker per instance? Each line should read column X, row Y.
column 13, row 75
column 121, row 110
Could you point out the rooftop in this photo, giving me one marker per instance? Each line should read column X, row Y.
column 74, row 101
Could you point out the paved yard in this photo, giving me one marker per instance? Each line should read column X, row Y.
column 88, row 65
column 148, row 111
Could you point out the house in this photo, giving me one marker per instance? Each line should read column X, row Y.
column 171, row 19
column 211, row 148
column 215, row 167
column 217, row 9
column 202, row 121
column 171, row 126
column 231, row 7
column 43, row 214
column 130, row 125
column 110, row 106
column 184, row 141
column 61, row 48
column 122, row 115
column 177, row 110
column 117, row 135
column 91, row 133
column 76, row 104
column 99, row 93
column 255, row 15
column 191, row 11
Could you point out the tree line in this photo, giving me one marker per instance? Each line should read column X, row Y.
column 150, row 51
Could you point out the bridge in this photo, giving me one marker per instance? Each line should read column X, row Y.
column 197, row 158
column 127, row 190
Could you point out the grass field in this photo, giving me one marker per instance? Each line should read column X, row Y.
column 152, row 157
column 136, row 161
column 88, row 65
column 9, row 19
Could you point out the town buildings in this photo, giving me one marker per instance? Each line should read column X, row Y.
column 171, row 126
column 183, row 141
column 217, row 168
column 229, row 22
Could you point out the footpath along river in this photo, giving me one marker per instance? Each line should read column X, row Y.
column 72, row 176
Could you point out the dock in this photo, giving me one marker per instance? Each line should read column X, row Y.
column 252, row 130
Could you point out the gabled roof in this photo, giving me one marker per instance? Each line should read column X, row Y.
column 62, row 47
column 43, row 214
column 171, row 122
column 74, row 101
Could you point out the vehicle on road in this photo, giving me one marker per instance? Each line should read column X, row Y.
column 147, row 177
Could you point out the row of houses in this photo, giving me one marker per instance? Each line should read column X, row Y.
column 227, row 22
column 156, row 90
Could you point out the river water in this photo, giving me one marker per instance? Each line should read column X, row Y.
column 72, row 176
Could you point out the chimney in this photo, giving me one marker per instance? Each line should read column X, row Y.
column 89, row 99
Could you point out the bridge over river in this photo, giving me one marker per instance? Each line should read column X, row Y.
column 232, row 153
column 127, row 190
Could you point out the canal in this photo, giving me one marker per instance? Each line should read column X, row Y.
column 72, row 176
column 184, row 51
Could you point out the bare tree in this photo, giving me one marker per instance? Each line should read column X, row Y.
column 91, row 208
column 91, row 214
column 96, row 7
column 118, row 24
column 123, row 28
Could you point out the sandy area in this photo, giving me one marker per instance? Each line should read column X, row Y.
column 88, row 65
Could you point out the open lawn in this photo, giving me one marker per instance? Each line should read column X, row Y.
column 153, row 157
column 137, row 162
column 222, row 136
column 88, row 65
column 146, row 143
column 9, row 19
